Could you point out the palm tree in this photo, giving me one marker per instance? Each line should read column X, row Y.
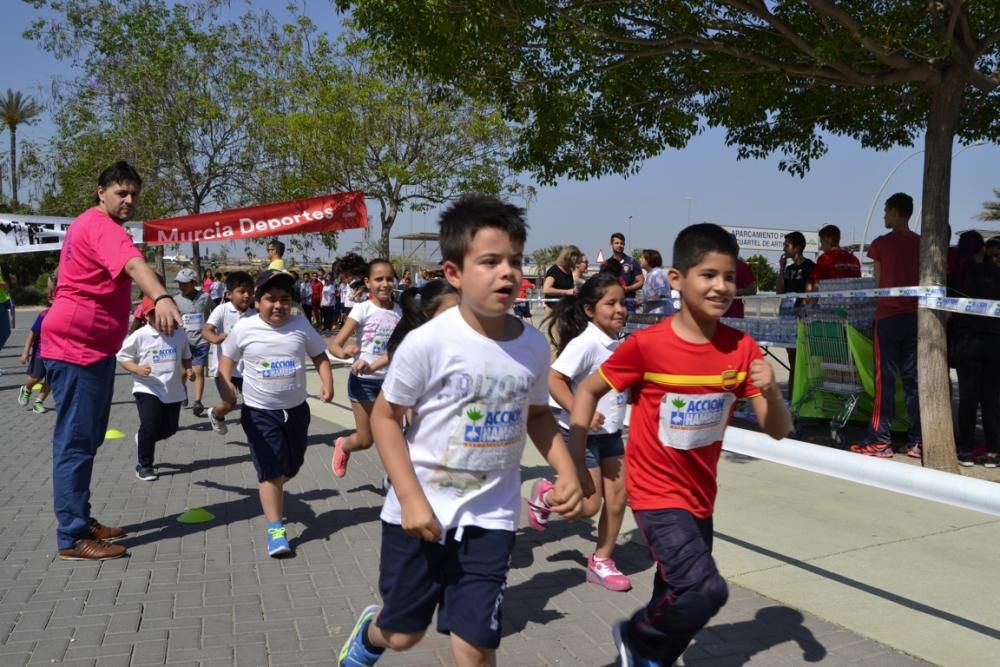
column 991, row 209
column 16, row 109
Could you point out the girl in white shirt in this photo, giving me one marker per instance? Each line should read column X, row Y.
column 585, row 329
column 371, row 323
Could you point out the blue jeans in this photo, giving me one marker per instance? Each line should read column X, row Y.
column 83, row 403
column 895, row 351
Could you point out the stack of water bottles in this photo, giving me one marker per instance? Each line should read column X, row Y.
column 859, row 312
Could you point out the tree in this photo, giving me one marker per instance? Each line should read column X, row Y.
column 599, row 86
column 991, row 209
column 16, row 109
column 342, row 116
column 763, row 273
column 164, row 87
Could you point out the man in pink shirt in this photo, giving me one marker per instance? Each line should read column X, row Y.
column 83, row 330
column 897, row 264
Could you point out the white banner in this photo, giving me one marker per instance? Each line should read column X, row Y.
column 760, row 238
column 40, row 233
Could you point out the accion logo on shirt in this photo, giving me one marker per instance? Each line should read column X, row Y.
column 696, row 413
column 278, row 368
column 163, row 355
column 499, row 428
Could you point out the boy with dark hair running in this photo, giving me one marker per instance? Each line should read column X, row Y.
column 685, row 374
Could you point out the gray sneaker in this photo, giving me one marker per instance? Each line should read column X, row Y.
column 197, row 409
column 146, row 474
column 218, row 425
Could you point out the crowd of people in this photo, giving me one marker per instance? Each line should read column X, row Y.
column 449, row 383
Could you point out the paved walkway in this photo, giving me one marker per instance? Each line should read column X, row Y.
column 207, row 594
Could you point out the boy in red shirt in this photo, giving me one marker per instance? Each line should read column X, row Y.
column 685, row 374
column 835, row 262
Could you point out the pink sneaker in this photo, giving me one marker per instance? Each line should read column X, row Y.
column 604, row 573
column 340, row 458
column 538, row 509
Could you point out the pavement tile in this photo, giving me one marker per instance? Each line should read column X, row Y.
column 207, row 595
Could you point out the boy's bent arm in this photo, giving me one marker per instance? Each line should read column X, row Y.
column 322, row 364
column 585, row 400
column 772, row 414
column 567, row 496
column 418, row 517
column 227, row 392
column 208, row 333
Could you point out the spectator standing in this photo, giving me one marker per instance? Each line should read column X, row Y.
column 82, row 332
column 559, row 280
column 276, row 255
column 835, row 262
column 580, row 271
column 5, row 306
column 217, row 291
column 897, row 264
column 206, row 282
column 974, row 350
column 631, row 271
column 794, row 278
column 656, row 294
column 317, row 299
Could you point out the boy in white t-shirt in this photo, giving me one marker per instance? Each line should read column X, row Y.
column 475, row 379
column 158, row 363
column 271, row 349
column 239, row 286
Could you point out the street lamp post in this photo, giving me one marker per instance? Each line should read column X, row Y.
column 630, row 229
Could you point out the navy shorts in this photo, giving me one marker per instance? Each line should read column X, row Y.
column 600, row 446
column 237, row 381
column 36, row 367
column 199, row 354
column 464, row 580
column 277, row 439
column 363, row 390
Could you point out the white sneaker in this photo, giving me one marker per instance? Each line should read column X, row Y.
column 39, row 408
column 218, row 425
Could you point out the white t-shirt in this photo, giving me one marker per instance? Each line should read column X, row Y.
column 375, row 325
column 347, row 295
column 329, row 295
column 148, row 347
column 224, row 317
column 217, row 290
column 584, row 355
column 273, row 360
column 470, row 397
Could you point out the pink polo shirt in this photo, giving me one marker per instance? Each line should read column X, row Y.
column 89, row 317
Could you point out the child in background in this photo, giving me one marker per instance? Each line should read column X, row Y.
column 272, row 347
column 328, row 305
column 31, row 355
column 317, row 299
column 419, row 305
column 195, row 307
column 372, row 323
column 686, row 374
column 158, row 363
column 475, row 380
column 239, row 286
column 585, row 328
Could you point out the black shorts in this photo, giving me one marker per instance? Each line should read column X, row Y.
column 464, row 580
column 36, row 367
column 277, row 439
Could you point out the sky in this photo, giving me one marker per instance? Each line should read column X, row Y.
column 702, row 182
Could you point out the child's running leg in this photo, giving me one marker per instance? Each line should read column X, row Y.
column 360, row 439
column 467, row 655
column 150, row 419
column 601, row 569
column 24, row 396
column 687, row 591
column 272, row 501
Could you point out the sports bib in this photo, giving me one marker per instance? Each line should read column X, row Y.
column 163, row 358
column 279, row 373
column 487, row 437
column 690, row 421
column 193, row 321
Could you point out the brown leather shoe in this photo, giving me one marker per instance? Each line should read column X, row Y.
column 106, row 533
column 92, row 550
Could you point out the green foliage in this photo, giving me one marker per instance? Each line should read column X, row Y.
column 991, row 209
column 597, row 87
column 763, row 273
column 545, row 257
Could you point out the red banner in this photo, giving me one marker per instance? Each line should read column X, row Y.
column 329, row 213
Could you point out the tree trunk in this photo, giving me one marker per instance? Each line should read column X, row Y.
column 388, row 217
column 13, row 164
column 196, row 259
column 161, row 268
column 932, row 362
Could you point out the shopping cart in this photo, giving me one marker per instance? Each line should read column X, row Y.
column 832, row 382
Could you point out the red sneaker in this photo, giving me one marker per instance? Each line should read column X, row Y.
column 876, row 449
column 340, row 458
column 605, row 573
column 914, row 451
